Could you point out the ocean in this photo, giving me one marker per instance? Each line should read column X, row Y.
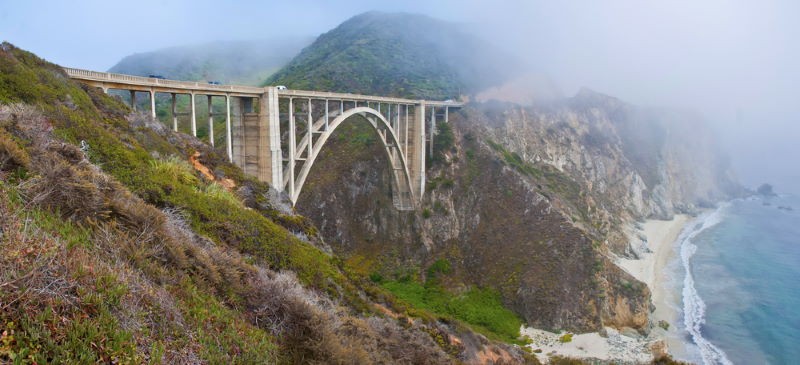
column 738, row 273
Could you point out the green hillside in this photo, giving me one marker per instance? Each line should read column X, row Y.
column 399, row 54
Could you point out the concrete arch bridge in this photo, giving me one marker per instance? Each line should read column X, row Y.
column 277, row 134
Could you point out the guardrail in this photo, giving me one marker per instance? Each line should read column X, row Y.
column 151, row 81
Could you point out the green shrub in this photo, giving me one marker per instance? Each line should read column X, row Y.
column 442, row 142
column 440, row 266
column 438, row 207
column 175, row 168
column 376, row 277
column 482, row 309
column 663, row 324
column 567, row 337
column 218, row 191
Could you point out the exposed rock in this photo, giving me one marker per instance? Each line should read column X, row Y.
column 766, row 190
column 528, row 201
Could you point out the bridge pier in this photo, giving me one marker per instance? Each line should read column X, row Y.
column 210, row 122
column 133, row 100
column 238, row 149
column 194, row 116
column 432, row 131
column 153, row 104
column 416, row 149
column 228, row 146
column 292, row 149
column 174, row 112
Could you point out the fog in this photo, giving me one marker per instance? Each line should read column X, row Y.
column 736, row 62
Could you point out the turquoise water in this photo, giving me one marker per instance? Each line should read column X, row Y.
column 741, row 299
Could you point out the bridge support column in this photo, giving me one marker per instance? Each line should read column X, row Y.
column 238, row 136
column 292, row 148
column 310, row 125
column 133, row 100
column 416, row 150
column 228, row 145
column 153, row 104
column 210, row 122
column 174, row 113
column 433, row 130
column 270, row 161
column 194, row 116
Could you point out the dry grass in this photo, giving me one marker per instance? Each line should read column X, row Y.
column 125, row 265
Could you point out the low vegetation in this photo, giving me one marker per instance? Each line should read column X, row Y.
column 480, row 308
column 114, row 252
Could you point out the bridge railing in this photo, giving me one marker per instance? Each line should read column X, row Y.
column 151, row 81
column 195, row 86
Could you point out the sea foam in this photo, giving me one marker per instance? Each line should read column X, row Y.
column 693, row 306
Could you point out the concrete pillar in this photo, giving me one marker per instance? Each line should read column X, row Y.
column 194, row 116
column 416, row 150
column 310, row 130
column 238, row 128
column 153, row 104
column 270, row 161
column 388, row 114
column 405, row 145
column 433, row 130
column 396, row 120
column 228, row 145
column 326, row 115
column 292, row 147
column 446, row 112
column 133, row 100
column 174, row 113
column 210, row 122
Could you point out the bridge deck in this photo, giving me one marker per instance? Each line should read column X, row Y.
column 114, row 80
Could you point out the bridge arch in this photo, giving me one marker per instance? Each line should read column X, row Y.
column 403, row 195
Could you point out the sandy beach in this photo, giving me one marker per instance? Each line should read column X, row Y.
column 649, row 268
column 655, row 243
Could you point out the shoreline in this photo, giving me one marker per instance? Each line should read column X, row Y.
column 656, row 244
column 653, row 269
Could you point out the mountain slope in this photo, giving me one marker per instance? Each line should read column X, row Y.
column 122, row 251
column 234, row 62
column 399, row 54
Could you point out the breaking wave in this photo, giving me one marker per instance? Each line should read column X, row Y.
column 694, row 308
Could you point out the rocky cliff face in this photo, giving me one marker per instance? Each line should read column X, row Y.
column 529, row 201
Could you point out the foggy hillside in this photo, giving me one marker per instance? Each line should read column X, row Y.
column 397, row 54
column 230, row 62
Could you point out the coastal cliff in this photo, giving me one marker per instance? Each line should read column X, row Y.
column 531, row 201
